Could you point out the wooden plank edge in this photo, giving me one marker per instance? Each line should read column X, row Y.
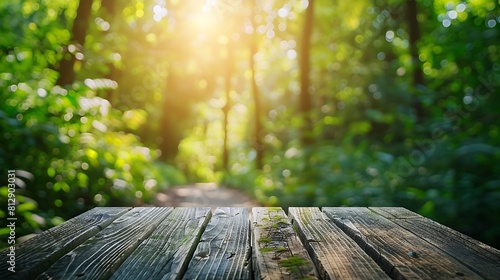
column 320, row 269
column 383, row 257
column 350, row 230
column 107, row 273
column 192, row 249
column 203, row 252
column 41, row 265
column 371, row 269
column 492, row 271
column 482, row 248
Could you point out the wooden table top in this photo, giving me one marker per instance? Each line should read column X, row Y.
column 257, row 243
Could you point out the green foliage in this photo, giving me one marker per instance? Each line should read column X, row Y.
column 370, row 147
column 71, row 149
column 71, row 143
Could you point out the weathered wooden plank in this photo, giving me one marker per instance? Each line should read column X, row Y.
column 477, row 256
column 395, row 212
column 101, row 255
column 335, row 254
column 401, row 254
column 165, row 254
column 277, row 250
column 224, row 248
column 38, row 253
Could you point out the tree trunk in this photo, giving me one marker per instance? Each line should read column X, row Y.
column 305, row 106
column 109, row 6
column 170, row 116
column 225, row 110
column 79, row 32
column 414, row 37
column 258, row 143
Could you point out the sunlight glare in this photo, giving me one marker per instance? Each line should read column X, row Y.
column 491, row 23
column 159, row 12
column 248, row 29
column 461, row 7
column 284, row 44
column 223, row 40
column 389, row 36
column 304, row 4
column 291, row 54
column 452, row 14
column 446, row 22
column 283, row 12
column 282, row 26
column 204, row 19
column 139, row 13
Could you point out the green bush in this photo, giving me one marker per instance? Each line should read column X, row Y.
column 72, row 144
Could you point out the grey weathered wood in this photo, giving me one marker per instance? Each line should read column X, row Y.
column 335, row 254
column 401, row 254
column 477, row 256
column 159, row 243
column 165, row 254
column 38, row 253
column 224, row 248
column 101, row 255
column 277, row 251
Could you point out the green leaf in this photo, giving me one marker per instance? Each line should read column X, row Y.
column 360, row 128
column 27, row 206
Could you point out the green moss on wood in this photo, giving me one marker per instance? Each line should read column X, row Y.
column 266, row 249
column 292, row 264
column 265, row 240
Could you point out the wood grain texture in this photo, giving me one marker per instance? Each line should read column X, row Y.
column 277, row 252
column 477, row 256
column 101, row 255
column 401, row 254
column 166, row 253
column 335, row 254
column 224, row 248
column 342, row 243
column 40, row 252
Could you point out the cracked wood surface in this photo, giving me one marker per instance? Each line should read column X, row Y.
column 196, row 243
column 400, row 253
column 52, row 244
column 224, row 248
column 277, row 250
column 335, row 254
column 167, row 251
column 101, row 255
column 477, row 256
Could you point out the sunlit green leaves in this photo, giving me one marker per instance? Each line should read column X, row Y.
column 134, row 119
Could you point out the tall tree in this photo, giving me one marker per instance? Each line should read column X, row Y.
column 227, row 107
column 79, row 32
column 110, row 8
column 414, row 37
column 258, row 143
column 305, row 105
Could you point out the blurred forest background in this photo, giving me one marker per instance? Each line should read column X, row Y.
column 296, row 102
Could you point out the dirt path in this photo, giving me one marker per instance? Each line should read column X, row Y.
column 204, row 195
